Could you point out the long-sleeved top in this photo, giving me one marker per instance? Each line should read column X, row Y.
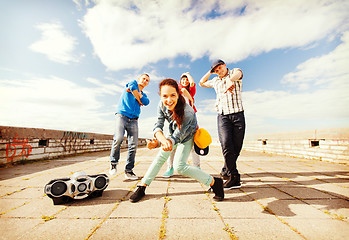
column 128, row 104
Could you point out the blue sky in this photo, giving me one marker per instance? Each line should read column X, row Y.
column 64, row 63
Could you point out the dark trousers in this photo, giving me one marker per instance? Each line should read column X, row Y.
column 231, row 132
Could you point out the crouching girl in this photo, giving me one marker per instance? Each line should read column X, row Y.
column 182, row 128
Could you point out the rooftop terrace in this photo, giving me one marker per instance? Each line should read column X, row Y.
column 280, row 198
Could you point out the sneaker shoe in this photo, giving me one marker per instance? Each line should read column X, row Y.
column 168, row 173
column 131, row 176
column 138, row 194
column 233, row 182
column 218, row 189
column 112, row 170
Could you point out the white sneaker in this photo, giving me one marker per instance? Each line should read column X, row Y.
column 112, row 170
column 131, row 176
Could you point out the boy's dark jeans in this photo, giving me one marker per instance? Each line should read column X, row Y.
column 231, row 132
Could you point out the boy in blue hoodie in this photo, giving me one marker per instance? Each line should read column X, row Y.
column 127, row 113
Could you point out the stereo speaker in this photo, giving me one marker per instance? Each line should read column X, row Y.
column 79, row 186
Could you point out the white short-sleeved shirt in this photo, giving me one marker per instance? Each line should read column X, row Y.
column 227, row 103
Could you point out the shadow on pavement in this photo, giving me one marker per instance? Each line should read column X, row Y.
column 292, row 192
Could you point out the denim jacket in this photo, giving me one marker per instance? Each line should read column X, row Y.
column 188, row 128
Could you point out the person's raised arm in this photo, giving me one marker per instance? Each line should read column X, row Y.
column 137, row 95
column 204, row 79
column 190, row 79
column 236, row 76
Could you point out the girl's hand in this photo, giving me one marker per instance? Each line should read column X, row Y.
column 152, row 143
column 167, row 146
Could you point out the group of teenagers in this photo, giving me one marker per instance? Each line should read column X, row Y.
column 176, row 106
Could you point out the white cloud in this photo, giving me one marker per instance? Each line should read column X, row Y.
column 280, row 111
column 81, row 3
column 104, row 88
column 53, row 103
column 329, row 69
column 133, row 34
column 55, row 43
column 323, row 105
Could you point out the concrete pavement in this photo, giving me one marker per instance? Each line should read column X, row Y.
column 280, row 198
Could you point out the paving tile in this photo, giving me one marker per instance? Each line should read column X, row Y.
column 261, row 229
column 62, row 229
column 191, row 208
column 336, row 208
column 34, row 208
column 128, row 228
column 147, row 208
column 17, row 228
column 280, row 198
column 240, row 210
column 87, row 209
column 293, row 209
column 318, row 229
column 302, row 192
column 264, row 193
column 7, row 205
column 200, row 229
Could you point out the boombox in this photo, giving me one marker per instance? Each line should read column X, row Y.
column 79, row 186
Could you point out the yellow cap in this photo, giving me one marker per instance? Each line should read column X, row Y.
column 202, row 138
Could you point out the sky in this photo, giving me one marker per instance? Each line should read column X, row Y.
column 64, row 63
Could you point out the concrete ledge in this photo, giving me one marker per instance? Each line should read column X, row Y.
column 323, row 144
column 22, row 144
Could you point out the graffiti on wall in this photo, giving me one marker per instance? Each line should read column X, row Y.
column 20, row 143
column 71, row 141
column 74, row 135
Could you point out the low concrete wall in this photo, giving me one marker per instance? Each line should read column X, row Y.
column 321, row 144
column 21, row 144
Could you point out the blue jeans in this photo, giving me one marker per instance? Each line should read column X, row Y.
column 130, row 125
column 180, row 164
column 231, row 132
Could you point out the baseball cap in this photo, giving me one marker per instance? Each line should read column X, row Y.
column 202, row 140
column 216, row 63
